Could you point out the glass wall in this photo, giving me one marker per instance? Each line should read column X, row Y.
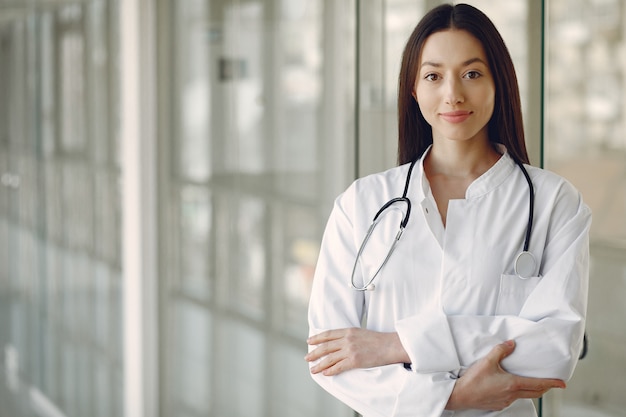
column 585, row 141
column 60, row 286
column 259, row 122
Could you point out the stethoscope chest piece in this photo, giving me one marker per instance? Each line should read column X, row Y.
column 525, row 265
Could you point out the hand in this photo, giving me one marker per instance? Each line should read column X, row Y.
column 486, row 386
column 344, row 349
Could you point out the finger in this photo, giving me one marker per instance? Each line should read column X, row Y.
column 339, row 366
column 534, row 393
column 322, row 350
column 326, row 336
column 327, row 362
column 336, row 369
column 501, row 351
column 538, row 384
column 317, row 338
column 314, row 355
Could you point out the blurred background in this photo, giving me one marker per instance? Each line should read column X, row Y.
column 167, row 168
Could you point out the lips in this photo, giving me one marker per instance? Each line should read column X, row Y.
column 458, row 116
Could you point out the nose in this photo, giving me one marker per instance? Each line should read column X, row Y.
column 453, row 91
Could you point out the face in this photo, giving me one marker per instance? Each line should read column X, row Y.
column 454, row 87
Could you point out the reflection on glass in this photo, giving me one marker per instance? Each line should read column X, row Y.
column 194, row 90
column 298, row 96
column 586, row 127
column 101, row 326
column 249, row 259
column 102, row 405
column 106, row 215
column 300, row 227
column 68, row 381
column 242, row 79
column 195, row 241
column 72, row 80
column 262, row 123
column 61, row 216
column 585, row 142
column 244, row 382
column 192, row 329
column 301, row 396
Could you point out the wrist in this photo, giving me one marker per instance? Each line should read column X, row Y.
column 397, row 353
column 454, row 401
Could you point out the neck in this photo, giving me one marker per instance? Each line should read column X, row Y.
column 466, row 159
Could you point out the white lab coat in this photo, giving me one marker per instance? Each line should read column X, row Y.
column 451, row 293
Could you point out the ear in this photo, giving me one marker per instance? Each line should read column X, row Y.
column 414, row 95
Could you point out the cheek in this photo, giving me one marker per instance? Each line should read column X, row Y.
column 424, row 102
column 490, row 100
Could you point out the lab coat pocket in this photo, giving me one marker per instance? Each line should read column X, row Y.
column 513, row 293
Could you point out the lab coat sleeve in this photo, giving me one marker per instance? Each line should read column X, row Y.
column 383, row 391
column 550, row 326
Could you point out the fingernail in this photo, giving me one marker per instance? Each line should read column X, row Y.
column 509, row 343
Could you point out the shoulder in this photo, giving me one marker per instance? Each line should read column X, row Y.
column 554, row 190
column 381, row 183
column 373, row 190
column 550, row 182
column 393, row 177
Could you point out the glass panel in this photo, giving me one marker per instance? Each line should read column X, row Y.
column 102, row 404
column 72, row 79
column 193, row 82
column 243, row 387
column 192, row 366
column 384, row 28
column 260, row 141
column 99, row 95
column 299, row 247
column 249, row 258
column 585, row 141
column 58, row 199
column 195, row 244
column 301, row 396
column 101, row 326
column 51, row 362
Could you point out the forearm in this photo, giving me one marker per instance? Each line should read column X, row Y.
column 340, row 350
column 390, row 391
column 548, row 348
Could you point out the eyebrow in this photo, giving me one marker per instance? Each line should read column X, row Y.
column 464, row 63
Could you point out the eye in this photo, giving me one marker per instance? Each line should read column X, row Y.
column 431, row 77
column 472, row 75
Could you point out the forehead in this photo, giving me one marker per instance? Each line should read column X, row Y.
column 451, row 46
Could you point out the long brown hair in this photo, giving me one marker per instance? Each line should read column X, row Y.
column 505, row 125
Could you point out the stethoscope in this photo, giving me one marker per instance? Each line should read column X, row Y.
column 525, row 262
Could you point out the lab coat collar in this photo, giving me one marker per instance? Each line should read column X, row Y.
column 482, row 185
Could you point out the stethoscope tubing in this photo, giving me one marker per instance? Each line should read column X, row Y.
column 369, row 286
column 525, row 263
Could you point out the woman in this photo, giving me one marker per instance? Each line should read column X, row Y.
column 449, row 323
